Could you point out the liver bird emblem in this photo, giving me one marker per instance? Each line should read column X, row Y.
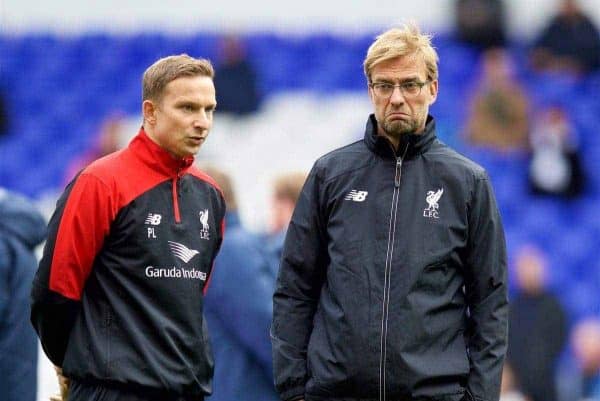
column 204, row 219
column 433, row 198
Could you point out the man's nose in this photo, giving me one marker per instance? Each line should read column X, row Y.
column 202, row 120
column 397, row 97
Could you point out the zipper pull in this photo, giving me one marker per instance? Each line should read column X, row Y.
column 398, row 172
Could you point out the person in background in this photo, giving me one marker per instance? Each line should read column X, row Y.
column 586, row 346
column 499, row 109
column 238, row 310
column 22, row 229
column 235, row 79
column 117, row 300
column 107, row 141
column 569, row 43
column 555, row 167
column 393, row 240
column 480, row 23
column 284, row 195
column 538, row 327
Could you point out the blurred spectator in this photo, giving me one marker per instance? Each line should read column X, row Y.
column 570, row 42
column 509, row 390
column 537, row 331
column 286, row 190
column 238, row 310
column 499, row 108
column 235, row 79
column 22, row 228
column 555, row 167
column 480, row 22
column 107, row 141
column 586, row 345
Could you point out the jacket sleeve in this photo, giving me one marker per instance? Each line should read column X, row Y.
column 76, row 233
column 299, row 282
column 486, row 290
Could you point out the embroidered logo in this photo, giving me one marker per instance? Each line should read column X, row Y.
column 205, row 231
column 432, row 200
column 153, row 219
column 182, row 252
column 357, row 196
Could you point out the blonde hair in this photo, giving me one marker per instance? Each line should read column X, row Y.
column 400, row 42
column 167, row 69
column 289, row 185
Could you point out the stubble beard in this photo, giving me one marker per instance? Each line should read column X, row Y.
column 397, row 128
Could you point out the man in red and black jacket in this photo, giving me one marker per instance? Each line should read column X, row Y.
column 117, row 300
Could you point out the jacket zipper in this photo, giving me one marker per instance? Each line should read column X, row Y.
column 176, row 198
column 388, row 272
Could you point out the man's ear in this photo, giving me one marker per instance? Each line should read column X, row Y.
column 149, row 111
column 371, row 94
column 433, row 90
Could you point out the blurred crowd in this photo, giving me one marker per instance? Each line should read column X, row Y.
column 551, row 356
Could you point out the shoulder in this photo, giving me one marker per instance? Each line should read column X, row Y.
column 346, row 159
column 202, row 176
column 453, row 161
column 108, row 167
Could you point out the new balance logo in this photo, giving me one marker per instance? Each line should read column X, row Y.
column 182, row 252
column 356, row 196
column 153, row 219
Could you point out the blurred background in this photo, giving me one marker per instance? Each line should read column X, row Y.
column 519, row 94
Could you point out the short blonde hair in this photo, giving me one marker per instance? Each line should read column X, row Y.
column 400, row 42
column 167, row 69
column 288, row 186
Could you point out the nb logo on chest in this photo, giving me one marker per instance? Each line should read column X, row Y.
column 357, row 196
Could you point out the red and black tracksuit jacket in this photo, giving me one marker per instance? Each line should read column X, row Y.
column 118, row 296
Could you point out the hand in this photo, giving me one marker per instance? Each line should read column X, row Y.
column 63, row 384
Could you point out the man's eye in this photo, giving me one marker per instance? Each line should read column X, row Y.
column 385, row 86
column 410, row 86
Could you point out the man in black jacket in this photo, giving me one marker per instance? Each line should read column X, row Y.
column 392, row 283
column 117, row 299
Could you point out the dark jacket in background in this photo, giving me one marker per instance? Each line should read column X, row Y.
column 237, row 88
column 22, row 228
column 480, row 23
column 577, row 38
column 370, row 301
column 538, row 332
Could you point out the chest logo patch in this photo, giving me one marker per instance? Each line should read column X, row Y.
column 432, row 199
column 205, row 231
column 357, row 196
column 153, row 219
column 182, row 252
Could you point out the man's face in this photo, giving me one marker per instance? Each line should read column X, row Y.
column 180, row 121
column 401, row 113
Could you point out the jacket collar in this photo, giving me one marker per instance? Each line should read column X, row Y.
column 417, row 143
column 156, row 157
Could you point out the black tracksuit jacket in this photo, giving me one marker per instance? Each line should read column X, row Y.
column 392, row 283
column 117, row 299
